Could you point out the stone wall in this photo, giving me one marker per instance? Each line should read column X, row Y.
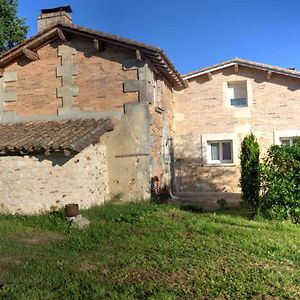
column 128, row 154
column 33, row 184
column 203, row 108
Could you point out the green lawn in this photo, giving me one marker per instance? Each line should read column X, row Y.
column 149, row 251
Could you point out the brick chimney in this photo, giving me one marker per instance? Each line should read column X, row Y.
column 51, row 16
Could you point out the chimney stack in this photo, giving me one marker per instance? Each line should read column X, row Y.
column 51, row 16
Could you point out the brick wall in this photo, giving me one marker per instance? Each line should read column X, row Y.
column 99, row 79
column 203, row 108
column 161, row 130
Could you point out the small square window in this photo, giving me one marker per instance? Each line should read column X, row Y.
column 220, row 152
column 237, row 93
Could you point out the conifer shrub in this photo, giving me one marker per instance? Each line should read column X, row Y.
column 250, row 173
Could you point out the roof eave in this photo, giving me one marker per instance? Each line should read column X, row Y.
column 226, row 64
column 156, row 55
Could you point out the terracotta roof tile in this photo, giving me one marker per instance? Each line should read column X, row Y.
column 38, row 137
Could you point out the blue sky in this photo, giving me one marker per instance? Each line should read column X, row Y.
column 193, row 33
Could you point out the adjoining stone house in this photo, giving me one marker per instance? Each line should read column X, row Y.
column 221, row 105
column 84, row 115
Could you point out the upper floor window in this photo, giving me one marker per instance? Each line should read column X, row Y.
column 237, row 93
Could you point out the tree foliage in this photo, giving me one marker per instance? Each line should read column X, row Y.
column 250, row 172
column 12, row 28
column 281, row 182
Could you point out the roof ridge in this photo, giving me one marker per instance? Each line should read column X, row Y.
column 248, row 63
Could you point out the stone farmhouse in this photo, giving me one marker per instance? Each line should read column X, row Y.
column 85, row 115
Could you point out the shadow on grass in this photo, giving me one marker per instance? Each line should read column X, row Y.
column 238, row 211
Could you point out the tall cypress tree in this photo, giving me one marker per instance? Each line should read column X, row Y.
column 12, row 28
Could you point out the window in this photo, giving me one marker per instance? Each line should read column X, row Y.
column 286, row 137
column 219, row 149
column 220, row 152
column 237, row 93
column 287, row 141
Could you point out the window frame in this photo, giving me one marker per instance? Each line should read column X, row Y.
column 221, row 159
column 290, row 139
column 290, row 135
column 207, row 139
column 231, row 100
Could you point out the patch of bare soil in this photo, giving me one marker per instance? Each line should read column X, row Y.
column 86, row 267
column 37, row 238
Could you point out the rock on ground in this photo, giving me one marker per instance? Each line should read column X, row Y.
column 80, row 222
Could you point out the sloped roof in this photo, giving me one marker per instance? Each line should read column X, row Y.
column 39, row 137
column 245, row 63
column 156, row 55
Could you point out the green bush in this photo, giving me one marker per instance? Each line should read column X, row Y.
column 250, row 172
column 281, row 182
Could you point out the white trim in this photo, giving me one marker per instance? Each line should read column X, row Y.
column 209, row 70
column 278, row 134
column 248, row 65
column 218, row 137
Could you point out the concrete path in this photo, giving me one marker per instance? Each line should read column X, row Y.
column 208, row 201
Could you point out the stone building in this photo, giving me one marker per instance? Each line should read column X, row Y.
column 84, row 115
column 222, row 104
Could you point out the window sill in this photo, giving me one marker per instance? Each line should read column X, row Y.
column 219, row 165
column 239, row 106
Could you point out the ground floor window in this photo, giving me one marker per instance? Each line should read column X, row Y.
column 219, row 149
column 287, row 141
column 286, row 137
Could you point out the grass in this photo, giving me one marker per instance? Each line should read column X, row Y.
column 149, row 251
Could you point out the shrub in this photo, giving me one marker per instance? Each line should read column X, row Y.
column 281, row 182
column 250, row 172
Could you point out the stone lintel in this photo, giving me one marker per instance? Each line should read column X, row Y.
column 8, row 96
column 67, row 91
column 66, row 50
column 9, row 76
column 8, row 116
column 67, row 70
column 68, row 110
column 132, row 85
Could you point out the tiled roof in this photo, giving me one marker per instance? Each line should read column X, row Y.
column 52, row 136
column 245, row 63
column 156, row 55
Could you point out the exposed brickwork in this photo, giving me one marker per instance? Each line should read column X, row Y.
column 202, row 109
column 100, row 79
column 161, row 130
column 37, row 83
